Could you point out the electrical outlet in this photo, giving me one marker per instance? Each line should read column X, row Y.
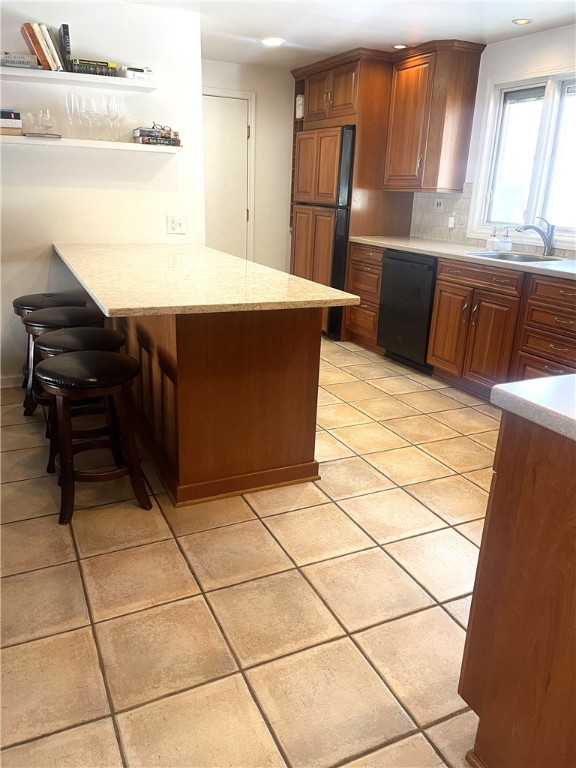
column 438, row 204
column 175, row 224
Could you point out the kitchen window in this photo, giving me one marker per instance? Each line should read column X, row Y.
column 528, row 162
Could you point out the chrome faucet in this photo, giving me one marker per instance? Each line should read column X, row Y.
column 547, row 234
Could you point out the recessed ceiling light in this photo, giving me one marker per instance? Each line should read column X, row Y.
column 521, row 22
column 400, row 46
column 272, row 42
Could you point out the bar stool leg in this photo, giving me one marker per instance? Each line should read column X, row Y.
column 114, row 432
column 29, row 402
column 66, row 459
column 52, row 435
column 130, row 452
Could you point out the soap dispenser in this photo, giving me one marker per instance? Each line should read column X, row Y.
column 505, row 243
column 493, row 241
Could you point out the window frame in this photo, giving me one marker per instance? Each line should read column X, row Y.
column 553, row 81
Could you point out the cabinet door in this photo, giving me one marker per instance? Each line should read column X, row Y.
column 328, row 163
column 305, row 160
column 316, row 90
column 408, row 124
column 489, row 347
column 302, row 260
column 449, row 330
column 342, row 99
column 322, row 244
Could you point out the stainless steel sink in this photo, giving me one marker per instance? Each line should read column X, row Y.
column 521, row 258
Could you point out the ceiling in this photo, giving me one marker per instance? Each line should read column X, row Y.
column 314, row 29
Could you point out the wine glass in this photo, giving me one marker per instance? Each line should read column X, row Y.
column 73, row 112
column 118, row 120
column 41, row 120
column 110, row 113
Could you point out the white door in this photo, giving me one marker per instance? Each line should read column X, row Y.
column 226, row 173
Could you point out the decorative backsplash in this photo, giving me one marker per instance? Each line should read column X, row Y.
column 431, row 224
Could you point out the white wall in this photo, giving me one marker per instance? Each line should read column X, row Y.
column 272, row 133
column 78, row 195
column 540, row 53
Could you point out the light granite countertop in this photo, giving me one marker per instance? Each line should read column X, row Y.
column 163, row 279
column 459, row 252
column 549, row 402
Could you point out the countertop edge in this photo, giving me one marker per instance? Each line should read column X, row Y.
column 532, row 400
column 566, row 268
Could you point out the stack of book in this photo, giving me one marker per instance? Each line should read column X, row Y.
column 50, row 47
column 136, row 73
column 10, row 123
column 90, row 67
column 157, row 136
column 25, row 60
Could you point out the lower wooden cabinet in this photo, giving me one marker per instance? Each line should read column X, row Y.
column 546, row 339
column 364, row 277
column 472, row 333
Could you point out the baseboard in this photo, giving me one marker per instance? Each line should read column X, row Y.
column 14, row 380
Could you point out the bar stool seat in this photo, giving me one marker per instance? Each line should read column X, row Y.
column 79, row 340
column 74, row 375
column 24, row 304
column 49, row 319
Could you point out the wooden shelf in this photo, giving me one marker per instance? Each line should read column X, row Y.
column 70, row 79
column 123, row 146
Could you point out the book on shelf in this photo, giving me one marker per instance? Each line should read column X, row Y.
column 9, row 114
column 44, row 45
column 89, row 67
column 65, row 49
column 135, row 73
column 165, row 133
column 50, row 45
column 10, row 131
column 33, row 44
column 14, row 122
column 157, row 140
column 28, row 60
column 53, row 45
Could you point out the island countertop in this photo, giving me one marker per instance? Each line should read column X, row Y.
column 164, row 279
column 549, row 402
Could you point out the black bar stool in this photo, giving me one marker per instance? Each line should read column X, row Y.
column 52, row 318
column 76, row 375
column 67, row 340
column 23, row 305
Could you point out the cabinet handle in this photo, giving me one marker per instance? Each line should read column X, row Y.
column 366, row 269
column 558, row 349
column 565, row 293
column 464, row 308
column 500, row 281
column 363, row 306
column 473, row 314
column 419, row 163
column 554, row 371
column 452, row 271
column 560, row 321
column 330, row 98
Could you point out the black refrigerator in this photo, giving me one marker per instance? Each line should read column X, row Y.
column 321, row 211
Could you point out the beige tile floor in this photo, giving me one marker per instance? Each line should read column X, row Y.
column 319, row 624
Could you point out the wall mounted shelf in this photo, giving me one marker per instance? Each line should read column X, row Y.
column 123, row 146
column 70, row 79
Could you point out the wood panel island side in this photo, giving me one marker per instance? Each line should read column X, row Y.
column 229, row 353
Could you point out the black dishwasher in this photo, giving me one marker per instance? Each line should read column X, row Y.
column 406, row 294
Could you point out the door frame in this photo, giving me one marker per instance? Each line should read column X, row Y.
column 250, row 98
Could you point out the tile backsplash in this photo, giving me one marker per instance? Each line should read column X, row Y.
column 431, row 224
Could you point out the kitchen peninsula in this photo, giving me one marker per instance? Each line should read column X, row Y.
column 229, row 353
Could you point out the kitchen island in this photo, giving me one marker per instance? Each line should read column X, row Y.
column 229, row 353
column 519, row 668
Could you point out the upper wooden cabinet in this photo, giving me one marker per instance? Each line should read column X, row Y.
column 331, row 93
column 431, row 110
column 316, row 165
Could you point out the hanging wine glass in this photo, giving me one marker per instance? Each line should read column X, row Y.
column 110, row 113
